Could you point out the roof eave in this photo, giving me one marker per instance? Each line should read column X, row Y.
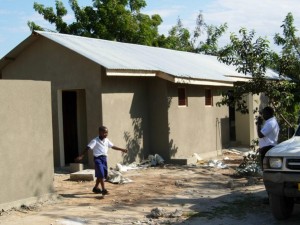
column 130, row 73
column 168, row 77
column 203, row 82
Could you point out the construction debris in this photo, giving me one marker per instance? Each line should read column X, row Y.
column 116, row 177
column 158, row 212
column 161, row 212
column 155, row 160
column 216, row 164
column 125, row 168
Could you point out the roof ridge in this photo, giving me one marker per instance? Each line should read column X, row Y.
column 117, row 42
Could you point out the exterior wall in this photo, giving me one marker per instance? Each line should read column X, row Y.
column 26, row 147
column 245, row 123
column 147, row 120
column 197, row 128
column 159, row 104
column 47, row 61
column 244, row 135
column 125, row 113
column 242, row 128
column 257, row 102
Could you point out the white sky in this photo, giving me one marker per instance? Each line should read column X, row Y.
column 264, row 16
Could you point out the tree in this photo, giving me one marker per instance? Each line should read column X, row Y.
column 288, row 61
column 213, row 34
column 178, row 39
column 122, row 21
column 106, row 19
column 210, row 45
column 252, row 57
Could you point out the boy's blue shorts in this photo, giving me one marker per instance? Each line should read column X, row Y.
column 101, row 166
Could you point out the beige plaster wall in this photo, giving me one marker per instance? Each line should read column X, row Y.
column 47, row 61
column 125, row 113
column 159, row 103
column 197, row 128
column 26, row 147
column 245, row 123
column 242, row 124
column 147, row 120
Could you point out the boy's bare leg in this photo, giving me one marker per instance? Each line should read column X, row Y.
column 104, row 191
column 97, row 182
column 96, row 188
column 101, row 181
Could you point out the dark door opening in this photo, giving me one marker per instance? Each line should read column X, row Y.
column 231, row 119
column 232, row 124
column 69, row 108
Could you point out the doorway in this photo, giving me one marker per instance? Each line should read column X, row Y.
column 232, row 132
column 74, row 123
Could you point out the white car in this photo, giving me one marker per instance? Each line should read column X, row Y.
column 282, row 176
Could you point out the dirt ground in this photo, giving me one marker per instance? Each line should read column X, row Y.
column 171, row 194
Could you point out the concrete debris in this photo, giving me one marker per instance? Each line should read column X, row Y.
column 138, row 222
column 155, row 160
column 177, row 213
column 71, row 221
column 216, row 164
column 158, row 212
column 195, row 159
column 161, row 212
column 198, row 158
column 116, row 177
column 125, row 168
column 231, row 151
column 179, row 183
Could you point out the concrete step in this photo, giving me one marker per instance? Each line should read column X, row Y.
column 75, row 167
column 83, row 175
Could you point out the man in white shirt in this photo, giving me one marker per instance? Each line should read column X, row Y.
column 267, row 132
column 100, row 146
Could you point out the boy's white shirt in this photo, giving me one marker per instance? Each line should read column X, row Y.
column 100, row 147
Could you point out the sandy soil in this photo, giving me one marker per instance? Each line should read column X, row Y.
column 158, row 195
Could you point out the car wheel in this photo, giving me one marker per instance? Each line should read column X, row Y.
column 282, row 207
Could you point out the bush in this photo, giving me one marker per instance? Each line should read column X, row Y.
column 250, row 165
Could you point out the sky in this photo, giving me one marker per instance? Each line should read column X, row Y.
column 263, row 16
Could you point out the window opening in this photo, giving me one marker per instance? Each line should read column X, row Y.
column 182, row 99
column 208, row 97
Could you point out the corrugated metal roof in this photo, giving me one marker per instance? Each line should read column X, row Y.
column 130, row 57
column 124, row 56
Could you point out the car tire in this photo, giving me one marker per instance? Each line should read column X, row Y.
column 281, row 206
